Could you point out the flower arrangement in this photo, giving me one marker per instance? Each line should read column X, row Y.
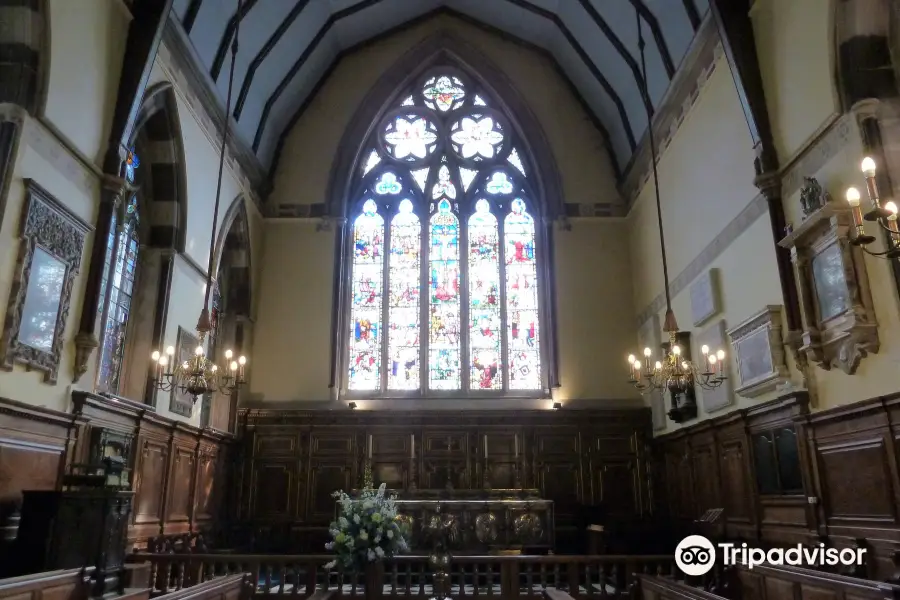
column 367, row 530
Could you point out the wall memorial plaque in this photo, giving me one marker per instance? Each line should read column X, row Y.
column 705, row 297
column 52, row 240
column 759, row 353
column 839, row 326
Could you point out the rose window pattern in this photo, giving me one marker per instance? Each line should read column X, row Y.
column 443, row 259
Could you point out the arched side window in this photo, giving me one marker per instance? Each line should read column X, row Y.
column 123, row 248
column 444, row 253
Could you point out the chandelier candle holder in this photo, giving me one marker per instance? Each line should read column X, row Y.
column 198, row 375
column 884, row 215
column 675, row 372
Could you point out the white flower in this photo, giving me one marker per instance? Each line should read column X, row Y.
column 381, row 489
column 344, row 523
column 370, row 555
column 356, row 519
column 390, row 534
column 367, row 504
column 378, row 538
column 330, row 565
column 329, row 546
column 378, row 551
column 363, row 535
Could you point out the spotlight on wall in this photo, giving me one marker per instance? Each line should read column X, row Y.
column 352, row 405
column 557, row 405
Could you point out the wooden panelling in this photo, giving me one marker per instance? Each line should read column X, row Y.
column 576, row 458
column 747, row 462
column 178, row 471
column 34, row 444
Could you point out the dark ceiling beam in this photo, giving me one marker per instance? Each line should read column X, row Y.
column 692, row 13
column 227, row 36
column 444, row 10
column 736, row 31
column 144, row 36
column 264, row 53
column 295, row 68
column 601, row 24
column 298, row 64
column 661, row 45
column 732, row 18
column 190, row 15
column 590, row 64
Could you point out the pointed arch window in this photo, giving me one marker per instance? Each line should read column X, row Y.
column 119, row 276
column 445, row 294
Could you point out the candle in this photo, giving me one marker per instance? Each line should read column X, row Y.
column 412, row 445
column 485, row 447
column 892, row 218
column 370, row 445
column 516, row 441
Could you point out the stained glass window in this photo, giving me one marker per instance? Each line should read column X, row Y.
column 445, row 256
column 365, row 305
column 123, row 238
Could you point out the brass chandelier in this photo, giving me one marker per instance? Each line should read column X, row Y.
column 199, row 375
column 885, row 216
column 673, row 371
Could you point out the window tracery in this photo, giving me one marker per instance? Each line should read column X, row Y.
column 445, row 293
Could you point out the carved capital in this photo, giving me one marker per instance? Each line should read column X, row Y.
column 115, row 189
column 85, row 343
column 769, row 184
column 866, row 109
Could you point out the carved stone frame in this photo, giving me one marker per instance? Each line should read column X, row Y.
column 764, row 323
column 844, row 339
column 47, row 224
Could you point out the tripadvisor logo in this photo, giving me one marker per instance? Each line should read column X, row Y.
column 695, row 555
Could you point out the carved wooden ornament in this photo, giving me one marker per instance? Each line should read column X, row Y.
column 49, row 260
column 839, row 326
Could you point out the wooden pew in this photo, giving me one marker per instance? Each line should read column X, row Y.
column 796, row 583
column 68, row 584
column 655, row 587
column 232, row 587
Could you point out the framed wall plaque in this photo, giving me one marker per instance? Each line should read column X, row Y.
column 715, row 337
column 650, row 336
column 52, row 240
column 705, row 297
column 759, row 352
column 181, row 403
column 839, row 326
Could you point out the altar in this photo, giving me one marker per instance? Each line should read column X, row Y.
column 478, row 521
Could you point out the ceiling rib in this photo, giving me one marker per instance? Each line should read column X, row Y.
column 553, row 17
column 658, row 37
column 445, row 10
column 190, row 15
column 600, row 22
column 692, row 13
column 298, row 64
column 227, row 36
column 263, row 53
column 592, row 67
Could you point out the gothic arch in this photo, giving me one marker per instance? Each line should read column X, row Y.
column 23, row 46
column 445, row 50
column 233, row 258
column 862, row 37
column 158, row 133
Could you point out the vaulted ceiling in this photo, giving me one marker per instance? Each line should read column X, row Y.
column 286, row 48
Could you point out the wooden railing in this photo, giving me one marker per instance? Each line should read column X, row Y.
column 407, row 577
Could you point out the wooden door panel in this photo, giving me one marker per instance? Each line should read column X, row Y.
column 325, row 478
column 616, row 486
column 150, row 490
column 274, row 490
column 180, row 483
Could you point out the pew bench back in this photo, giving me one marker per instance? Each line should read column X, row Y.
column 67, row 584
column 232, row 587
